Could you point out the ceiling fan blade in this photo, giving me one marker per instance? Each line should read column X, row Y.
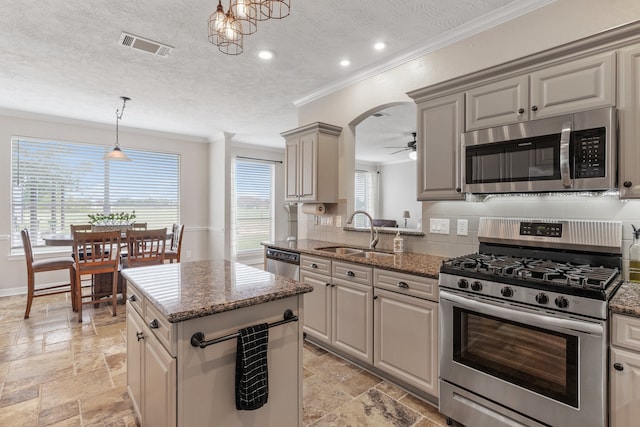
column 399, row 151
column 397, row 146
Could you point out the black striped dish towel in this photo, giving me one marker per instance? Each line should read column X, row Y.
column 252, row 379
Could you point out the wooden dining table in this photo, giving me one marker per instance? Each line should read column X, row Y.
column 67, row 239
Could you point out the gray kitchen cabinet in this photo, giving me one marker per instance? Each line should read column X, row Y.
column 339, row 312
column 316, row 272
column 624, row 374
column 629, row 125
column 406, row 328
column 151, row 374
column 352, row 311
column 311, row 163
column 440, row 123
column 578, row 85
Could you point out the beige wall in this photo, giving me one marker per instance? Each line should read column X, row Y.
column 194, row 183
column 561, row 22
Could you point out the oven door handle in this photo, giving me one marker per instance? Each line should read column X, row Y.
column 565, row 139
column 522, row 316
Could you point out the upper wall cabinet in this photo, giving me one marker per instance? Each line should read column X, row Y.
column 573, row 86
column 628, row 123
column 311, row 163
column 440, row 124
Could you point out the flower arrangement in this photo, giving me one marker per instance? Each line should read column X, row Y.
column 117, row 218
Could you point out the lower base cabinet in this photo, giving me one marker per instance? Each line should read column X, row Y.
column 385, row 319
column 624, row 371
column 406, row 339
column 151, row 375
column 171, row 383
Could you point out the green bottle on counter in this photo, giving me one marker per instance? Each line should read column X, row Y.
column 634, row 256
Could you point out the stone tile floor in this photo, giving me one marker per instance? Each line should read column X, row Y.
column 57, row 372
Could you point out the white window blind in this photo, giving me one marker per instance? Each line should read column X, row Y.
column 364, row 198
column 253, row 206
column 56, row 184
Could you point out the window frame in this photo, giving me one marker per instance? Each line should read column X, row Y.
column 79, row 165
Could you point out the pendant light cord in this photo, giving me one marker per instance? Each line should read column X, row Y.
column 119, row 114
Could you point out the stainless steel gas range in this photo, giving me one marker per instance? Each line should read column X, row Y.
column 523, row 324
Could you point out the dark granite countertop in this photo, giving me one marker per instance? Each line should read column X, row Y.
column 188, row 290
column 406, row 262
column 626, row 300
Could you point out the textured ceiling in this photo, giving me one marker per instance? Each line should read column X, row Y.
column 62, row 58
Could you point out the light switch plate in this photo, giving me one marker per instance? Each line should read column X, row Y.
column 438, row 226
column 463, row 227
column 338, row 221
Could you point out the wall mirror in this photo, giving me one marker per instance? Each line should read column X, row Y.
column 385, row 170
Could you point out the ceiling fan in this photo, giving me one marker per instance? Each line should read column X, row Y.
column 411, row 145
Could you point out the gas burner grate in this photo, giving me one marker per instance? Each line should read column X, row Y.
column 536, row 270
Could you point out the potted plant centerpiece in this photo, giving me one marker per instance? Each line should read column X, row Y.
column 114, row 221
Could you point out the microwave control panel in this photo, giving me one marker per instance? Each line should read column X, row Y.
column 589, row 153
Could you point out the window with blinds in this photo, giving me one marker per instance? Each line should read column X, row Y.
column 364, row 198
column 55, row 184
column 252, row 207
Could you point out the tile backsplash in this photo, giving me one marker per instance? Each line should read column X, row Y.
column 569, row 206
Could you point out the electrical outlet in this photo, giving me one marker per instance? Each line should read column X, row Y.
column 338, row 221
column 463, row 227
column 188, row 254
column 438, row 226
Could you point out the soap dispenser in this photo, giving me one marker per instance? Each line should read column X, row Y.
column 634, row 256
column 398, row 245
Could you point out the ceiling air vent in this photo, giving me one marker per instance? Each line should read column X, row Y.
column 149, row 46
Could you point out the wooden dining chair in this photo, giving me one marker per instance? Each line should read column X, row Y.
column 145, row 247
column 96, row 252
column 173, row 253
column 41, row 266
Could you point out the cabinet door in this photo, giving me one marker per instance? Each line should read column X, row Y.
column 575, row 86
column 625, row 388
column 353, row 319
column 629, row 125
column 406, row 339
column 159, row 385
column 307, row 172
column 317, row 306
column 500, row 103
column 291, row 170
column 135, row 349
column 440, row 123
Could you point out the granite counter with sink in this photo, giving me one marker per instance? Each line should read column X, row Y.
column 405, row 262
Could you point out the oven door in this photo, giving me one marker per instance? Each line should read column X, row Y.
column 549, row 368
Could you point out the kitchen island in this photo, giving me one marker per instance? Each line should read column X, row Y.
column 176, row 379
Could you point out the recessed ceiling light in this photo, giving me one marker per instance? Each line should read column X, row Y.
column 266, row 54
column 345, row 62
column 379, row 46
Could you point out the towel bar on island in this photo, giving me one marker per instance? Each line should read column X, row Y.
column 197, row 339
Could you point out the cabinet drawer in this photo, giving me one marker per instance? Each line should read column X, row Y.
column 352, row 272
column 160, row 327
column 625, row 332
column 315, row 264
column 417, row 286
column 135, row 299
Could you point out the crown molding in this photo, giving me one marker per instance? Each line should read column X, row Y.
column 478, row 25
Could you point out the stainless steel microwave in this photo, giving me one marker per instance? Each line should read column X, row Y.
column 575, row 152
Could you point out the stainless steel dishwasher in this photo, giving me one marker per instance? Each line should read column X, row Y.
column 283, row 263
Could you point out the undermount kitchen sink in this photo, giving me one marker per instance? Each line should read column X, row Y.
column 372, row 255
column 341, row 250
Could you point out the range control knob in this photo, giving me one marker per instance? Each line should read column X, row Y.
column 506, row 292
column 542, row 298
column 476, row 286
column 463, row 284
column 562, row 302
